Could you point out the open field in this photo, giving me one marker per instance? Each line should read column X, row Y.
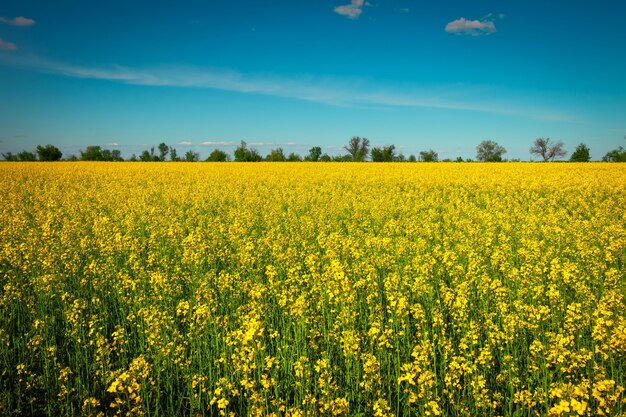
column 312, row 289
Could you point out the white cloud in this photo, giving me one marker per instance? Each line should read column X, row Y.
column 7, row 46
column 185, row 143
column 352, row 10
column 113, row 145
column 218, row 143
column 463, row 26
column 17, row 21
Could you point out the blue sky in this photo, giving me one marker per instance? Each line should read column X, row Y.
column 294, row 74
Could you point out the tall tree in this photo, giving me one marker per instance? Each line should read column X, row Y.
column 107, row 155
column 314, row 154
column 616, row 155
column 154, row 157
column 145, row 156
column 581, row 154
column 9, row 156
column 49, row 153
column 191, row 156
column 429, row 156
column 92, row 153
column 241, row 152
column 358, row 148
column 244, row 154
column 384, row 154
column 548, row 151
column 294, row 157
column 163, row 151
column 489, row 151
column 217, row 156
column 276, row 155
column 26, row 156
column 116, row 155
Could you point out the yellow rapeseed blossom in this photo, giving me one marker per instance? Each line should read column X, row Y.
column 312, row 289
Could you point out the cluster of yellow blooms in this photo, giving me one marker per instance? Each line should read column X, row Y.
column 312, row 289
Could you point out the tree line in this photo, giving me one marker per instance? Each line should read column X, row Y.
column 358, row 150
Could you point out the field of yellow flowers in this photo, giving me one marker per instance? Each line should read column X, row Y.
column 173, row 289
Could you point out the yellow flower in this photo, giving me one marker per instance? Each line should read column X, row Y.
column 222, row 403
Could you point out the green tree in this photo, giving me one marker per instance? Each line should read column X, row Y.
column 145, row 156
column 342, row 158
column 616, row 155
column 243, row 154
column 163, row 151
column 377, row 154
column 91, row 153
column 325, row 158
column 107, row 155
column 384, row 154
column 153, row 156
column 412, row 158
column 116, row 155
column 548, row 151
column 429, row 156
column 581, row 154
column 294, row 157
column 173, row 155
column 276, row 155
column 9, row 156
column 489, row 151
column 191, row 156
column 217, row 156
column 26, row 156
column 315, row 154
column 49, row 153
column 358, row 148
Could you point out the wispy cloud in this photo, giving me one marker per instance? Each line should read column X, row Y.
column 218, row 143
column 112, row 145
column 463, row 26
column 17, row 21
column 352, row 10
column 331, row 91
column 7, row 46
column 185, row 143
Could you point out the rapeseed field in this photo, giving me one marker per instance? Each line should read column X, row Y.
column 207, row 289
